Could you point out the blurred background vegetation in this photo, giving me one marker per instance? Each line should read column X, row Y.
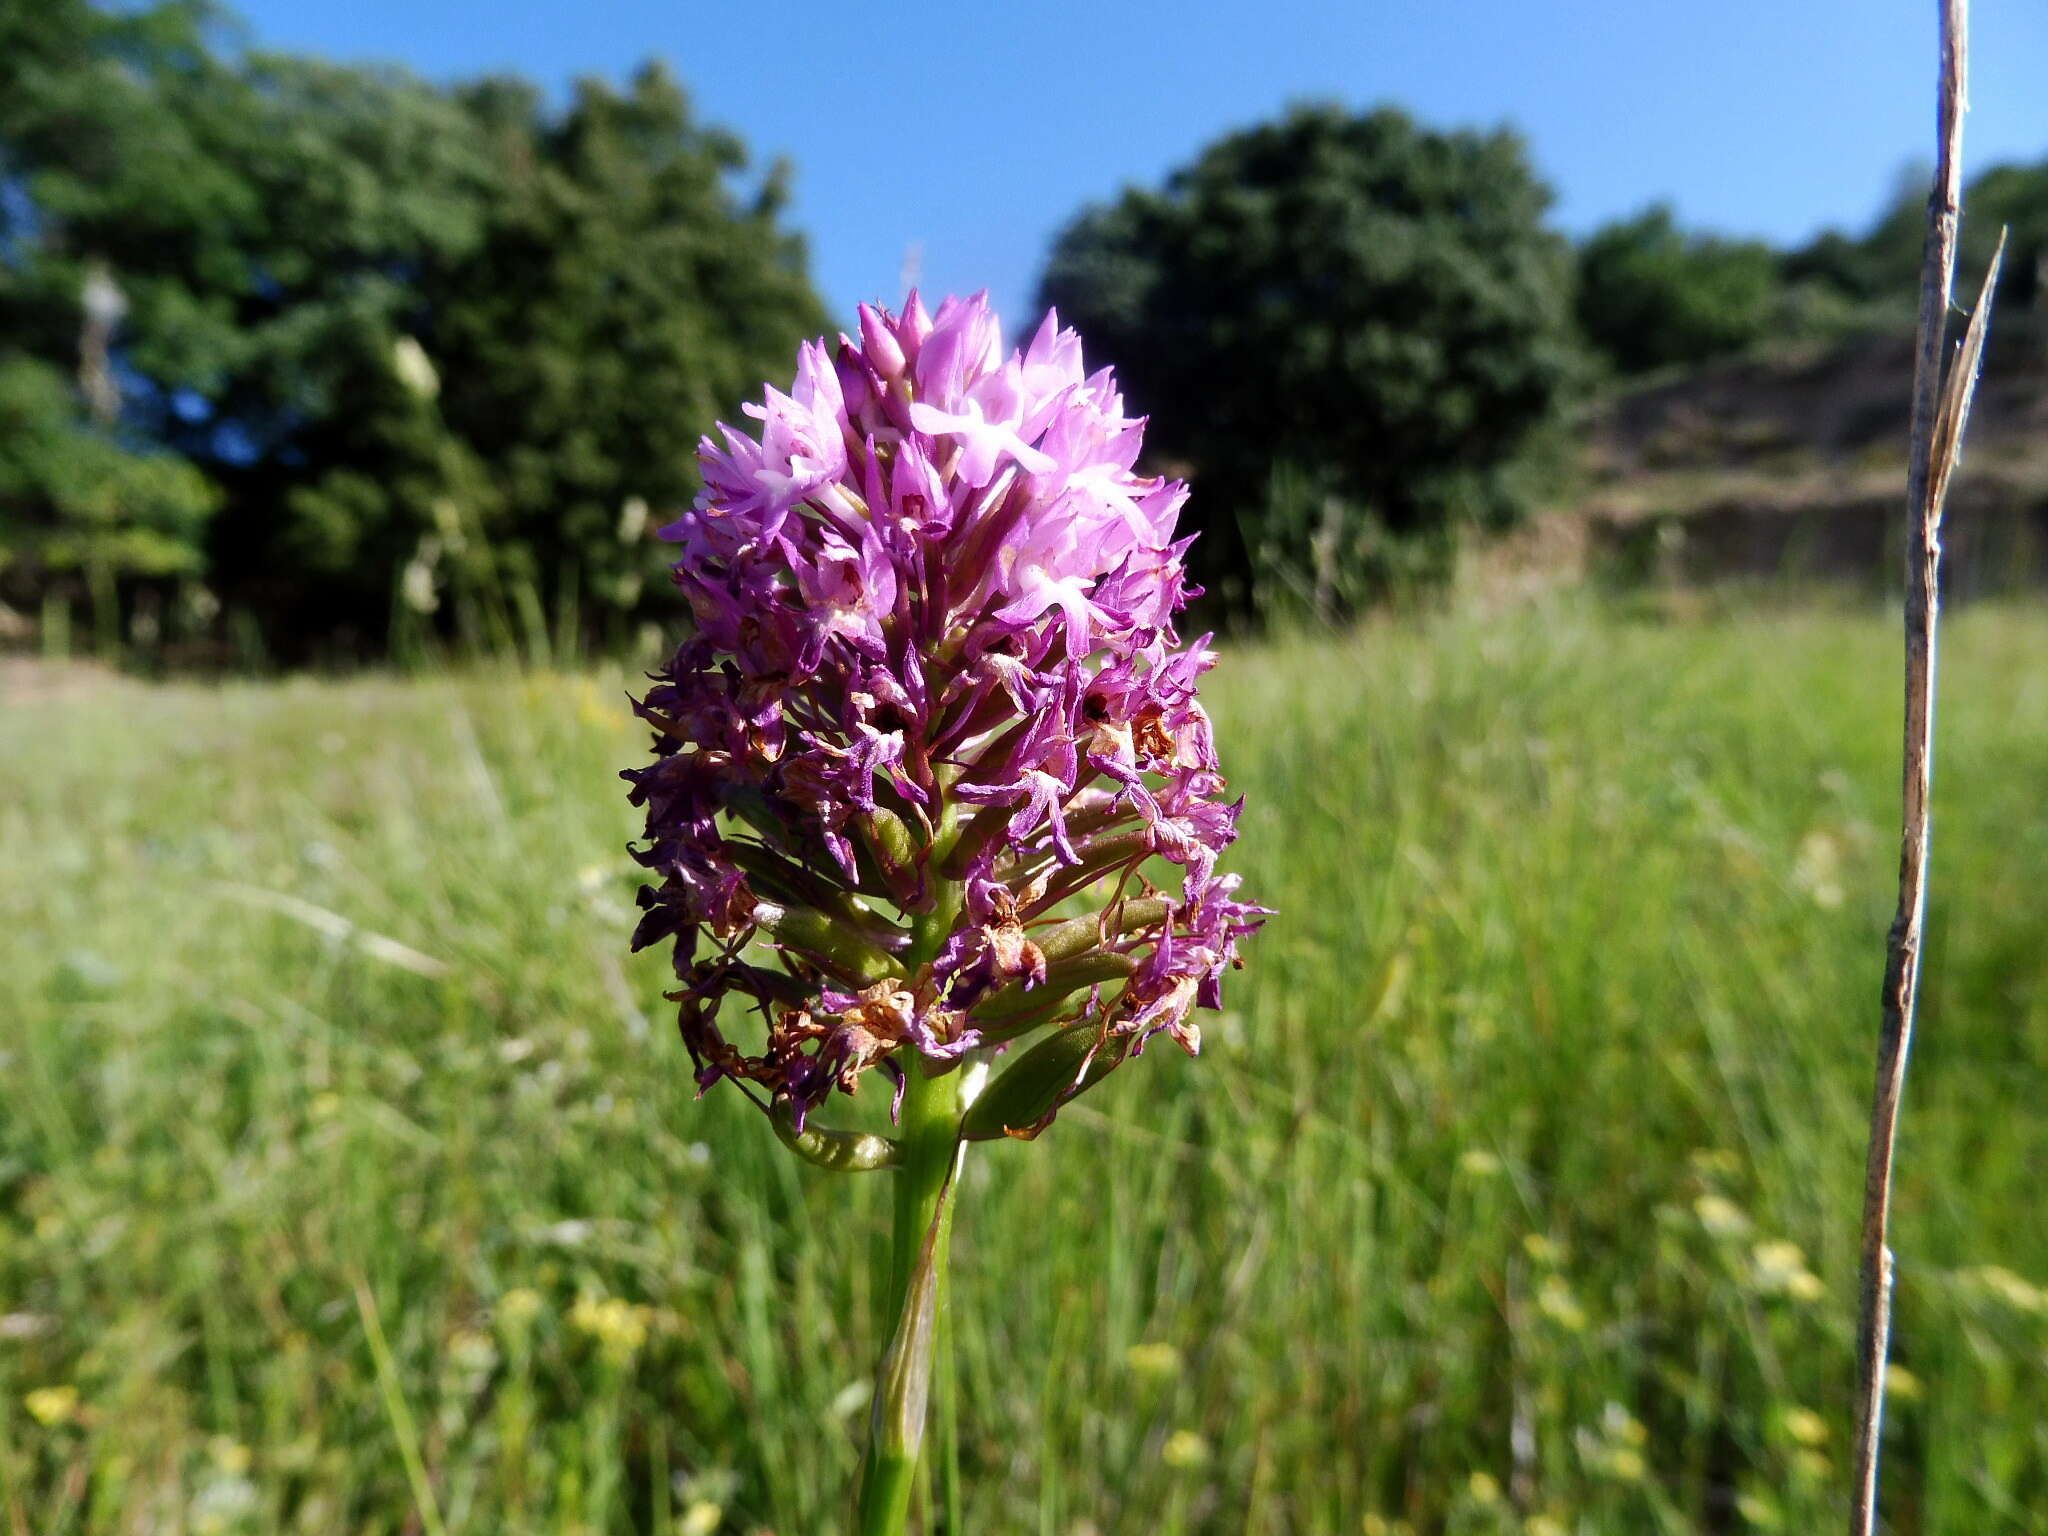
column 296, row 353
column 349, row 1168
column 308, row 361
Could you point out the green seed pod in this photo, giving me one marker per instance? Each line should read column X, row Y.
column 888, row 837
column 1023, row 1100
column 1007, row 1008
column 1099, row 855
column 833, row 941
column 835, row 1151
column 1084, row 933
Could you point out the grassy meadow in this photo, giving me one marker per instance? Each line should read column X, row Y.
column 351, row 1179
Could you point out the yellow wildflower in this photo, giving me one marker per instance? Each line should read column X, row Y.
column 1804, row 1426
column 1156, row 1359
column 51, row 1406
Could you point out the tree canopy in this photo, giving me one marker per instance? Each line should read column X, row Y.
column 1651, row 295
column 1372, row 304
column 1884, row 262
column 374, row 342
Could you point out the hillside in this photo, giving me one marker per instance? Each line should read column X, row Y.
column 1791, row 464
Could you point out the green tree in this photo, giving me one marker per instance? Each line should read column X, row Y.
column 417, row 339
column 81, row 511
column 333, row 455
column 1651, row 296
column 264, row 219
column 2013, row 198
column 1880, row 269
column 1375, row 305
column 91, row 506
column 622, row 296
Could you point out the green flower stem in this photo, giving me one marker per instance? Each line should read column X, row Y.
column 946, row 1453
column 930, row 1137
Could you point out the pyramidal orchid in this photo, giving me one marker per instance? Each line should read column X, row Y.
column 932, row 786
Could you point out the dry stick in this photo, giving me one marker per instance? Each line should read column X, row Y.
column 1939, row 413
column 1902, row 967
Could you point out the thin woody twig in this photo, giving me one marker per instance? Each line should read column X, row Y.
column 1940, row 411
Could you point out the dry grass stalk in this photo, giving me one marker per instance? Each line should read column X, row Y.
column 1941, row 407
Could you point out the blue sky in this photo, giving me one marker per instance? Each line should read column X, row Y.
column 963, row 136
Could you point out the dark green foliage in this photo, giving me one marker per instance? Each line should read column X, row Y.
column 2014, row 197
column 336, row 465
column 1651, row 295
column 81, row 496
column 1357, row 295
column 1881, row 268
column 88, row 504
column 415, row 340
column 1314, row 553
column 85, row 511
column 620, row 300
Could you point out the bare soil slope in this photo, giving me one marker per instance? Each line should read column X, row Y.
column 1792, row 464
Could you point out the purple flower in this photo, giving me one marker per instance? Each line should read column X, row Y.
column 934, row 741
